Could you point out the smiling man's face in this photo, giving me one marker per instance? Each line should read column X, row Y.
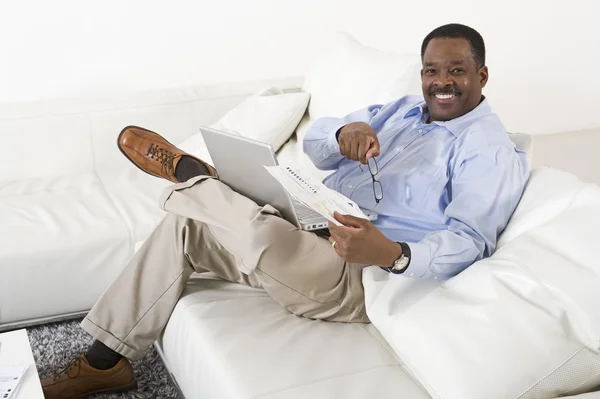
column 451, row 79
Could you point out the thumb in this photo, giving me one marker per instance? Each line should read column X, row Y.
column 348, row 220
column 373, row 149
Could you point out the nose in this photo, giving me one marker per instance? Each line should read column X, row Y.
column 443, row 79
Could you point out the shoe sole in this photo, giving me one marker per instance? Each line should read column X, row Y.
column 126, row 156
column 124, row 388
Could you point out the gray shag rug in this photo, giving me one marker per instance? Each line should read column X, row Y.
column 55, row 344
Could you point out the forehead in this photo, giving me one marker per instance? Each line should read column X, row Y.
column 448, row 50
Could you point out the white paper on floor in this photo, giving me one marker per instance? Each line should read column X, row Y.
column 10, row 377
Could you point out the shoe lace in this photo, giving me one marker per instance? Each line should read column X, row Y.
column 76, row 362
column 162, row 155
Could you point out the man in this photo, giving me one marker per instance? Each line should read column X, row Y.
column 442, row 175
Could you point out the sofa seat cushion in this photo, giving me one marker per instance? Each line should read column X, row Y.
column 63, row 242
column 225, row 340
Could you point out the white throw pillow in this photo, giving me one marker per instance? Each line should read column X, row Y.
column 524, row 323
column 270, row 116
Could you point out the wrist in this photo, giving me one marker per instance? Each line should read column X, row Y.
column 394, row 253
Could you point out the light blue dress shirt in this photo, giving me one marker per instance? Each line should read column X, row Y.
column 449, row 188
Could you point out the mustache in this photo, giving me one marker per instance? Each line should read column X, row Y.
column 445, row 90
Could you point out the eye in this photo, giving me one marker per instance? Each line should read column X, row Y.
column 457, row 70
column 429, row 71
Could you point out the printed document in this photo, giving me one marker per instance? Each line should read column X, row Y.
column 314, row 194
column 10, row 378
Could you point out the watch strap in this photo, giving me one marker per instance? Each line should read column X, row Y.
column 406, row 253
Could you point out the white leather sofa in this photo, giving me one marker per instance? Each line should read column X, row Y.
column 72, row 208
column 73, row 211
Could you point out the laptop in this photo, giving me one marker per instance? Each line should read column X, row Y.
column 240, row 162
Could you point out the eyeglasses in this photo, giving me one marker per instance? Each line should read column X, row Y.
column 377, row 188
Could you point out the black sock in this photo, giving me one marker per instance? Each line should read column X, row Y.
column 188, row 167
column 101, row 357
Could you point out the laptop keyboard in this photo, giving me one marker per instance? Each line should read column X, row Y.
column 303, row 212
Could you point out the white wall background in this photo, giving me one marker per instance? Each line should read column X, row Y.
column 543, row 56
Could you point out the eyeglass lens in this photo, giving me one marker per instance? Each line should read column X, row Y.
column 377, row 187
column 373, row 168
column 377, row 190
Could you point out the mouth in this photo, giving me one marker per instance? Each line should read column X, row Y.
column 444, row 98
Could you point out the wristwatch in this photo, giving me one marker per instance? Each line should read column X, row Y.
column 402, row 263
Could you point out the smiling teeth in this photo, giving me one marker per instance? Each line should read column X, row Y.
column 444, row 96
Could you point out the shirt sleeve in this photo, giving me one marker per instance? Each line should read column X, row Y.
column 485, row 189
column 320, row 143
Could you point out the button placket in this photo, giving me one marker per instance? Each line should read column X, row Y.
column 396, row 151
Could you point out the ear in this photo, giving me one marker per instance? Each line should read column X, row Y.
column 483, row 75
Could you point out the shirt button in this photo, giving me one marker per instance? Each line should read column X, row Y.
column 435, row 278
column 349, row 185
column 420, row 130
column 412, row 274
column 397, row 149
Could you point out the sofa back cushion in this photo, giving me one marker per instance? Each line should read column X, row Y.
column 523, row 142
column 72, row 136
column 351, row 76
column 42, row 145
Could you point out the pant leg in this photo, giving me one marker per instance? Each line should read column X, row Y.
column 133, row 311
column 211, row 227
column 298, row 269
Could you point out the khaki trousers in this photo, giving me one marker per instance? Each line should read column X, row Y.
column 210, row 227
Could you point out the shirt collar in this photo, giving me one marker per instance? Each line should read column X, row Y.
column 457, row 125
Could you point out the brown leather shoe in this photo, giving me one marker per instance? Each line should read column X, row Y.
column 153, row 154
column 79, row 380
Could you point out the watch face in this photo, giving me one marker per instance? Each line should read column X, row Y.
column 401, row 263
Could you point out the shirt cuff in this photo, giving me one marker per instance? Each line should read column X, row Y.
column 332, row 144
column 420, row 259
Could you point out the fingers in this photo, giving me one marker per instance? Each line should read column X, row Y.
column 359, row 148
column 334, row 232
column 348, row 220
column 339, row 233
column 358, row 142
column 338, row 216
column 373, row 149
column 349, row 147
column 335, row 237
column 363, row 146
column 348, row 238
column 343, row 146
column 353, row 150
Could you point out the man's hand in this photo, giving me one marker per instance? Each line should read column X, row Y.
column 358, row 142
column 359, row 241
